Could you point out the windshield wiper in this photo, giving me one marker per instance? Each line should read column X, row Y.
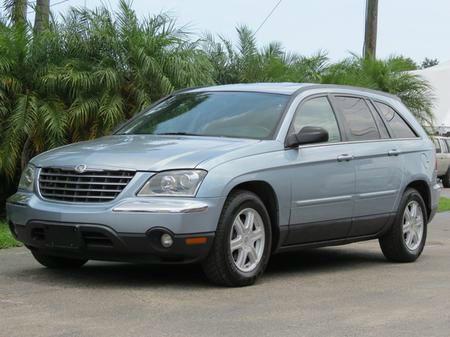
column 177, row 134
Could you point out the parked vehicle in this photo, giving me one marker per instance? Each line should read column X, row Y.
column 229, row 175
column 442, row 145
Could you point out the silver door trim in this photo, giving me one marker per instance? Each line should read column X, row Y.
column 309, row 202
column 376, row 194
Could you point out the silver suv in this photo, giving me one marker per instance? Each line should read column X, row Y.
column 229, row 175
column 443, row 159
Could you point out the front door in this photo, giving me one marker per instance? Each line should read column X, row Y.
column 322, row 179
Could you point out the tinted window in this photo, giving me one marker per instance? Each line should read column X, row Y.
column 444, row 146
column 437, row 145
column 381, row 125
column 317, row 112
column 358, row 118
column 447, row 142
column 223, row 114
column 396, row 123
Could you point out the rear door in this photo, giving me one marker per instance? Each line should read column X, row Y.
column 377, row 161
column 445, row 153
column 440, row 158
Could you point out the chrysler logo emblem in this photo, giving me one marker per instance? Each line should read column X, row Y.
column 81, row 168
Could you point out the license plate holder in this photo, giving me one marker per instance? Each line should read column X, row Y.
column 67, row 237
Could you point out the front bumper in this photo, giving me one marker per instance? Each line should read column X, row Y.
column 128, row 229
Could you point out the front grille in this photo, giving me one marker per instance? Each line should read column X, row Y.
column 89, row 186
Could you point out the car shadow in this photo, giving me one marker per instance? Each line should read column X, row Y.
column 107, row 274
column 323, row 260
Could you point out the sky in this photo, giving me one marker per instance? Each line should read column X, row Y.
column 413, row 28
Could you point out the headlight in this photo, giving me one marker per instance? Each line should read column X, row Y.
column 27, row 179
column 183, row 183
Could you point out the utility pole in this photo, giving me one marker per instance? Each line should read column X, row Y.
column 370, row 36
column 42, row 15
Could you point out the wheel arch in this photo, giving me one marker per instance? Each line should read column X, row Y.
column 422, row 186
column 268, row 196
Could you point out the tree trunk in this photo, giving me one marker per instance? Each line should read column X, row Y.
column 25, row 156
column 370, row 37
column 42, row 15
column 19, row 11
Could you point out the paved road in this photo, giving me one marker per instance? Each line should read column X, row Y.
column 344, row 291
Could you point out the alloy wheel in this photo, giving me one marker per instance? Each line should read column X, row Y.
column 247, row 240
column 413, row 225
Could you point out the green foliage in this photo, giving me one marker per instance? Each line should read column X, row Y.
column 85, row 75
column 244, row 62
column 6, row 238
column 444, row 204
column 427, row 63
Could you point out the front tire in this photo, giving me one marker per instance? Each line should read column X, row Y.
column 242, row 243
column 57, row 262
column 405, row 240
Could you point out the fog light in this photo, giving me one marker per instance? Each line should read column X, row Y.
column 166, row 240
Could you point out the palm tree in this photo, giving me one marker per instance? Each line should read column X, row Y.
column 17, row 11
column 42, row 15
column 85, row 75
column 245, row 62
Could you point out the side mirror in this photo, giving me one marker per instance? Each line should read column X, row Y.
column 307, row 135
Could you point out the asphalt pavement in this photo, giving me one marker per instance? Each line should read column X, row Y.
column 341, row 291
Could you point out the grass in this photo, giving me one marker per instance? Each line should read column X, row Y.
column 444, row 204
column 6, row 239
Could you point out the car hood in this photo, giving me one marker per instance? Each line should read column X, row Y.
column 140, row 152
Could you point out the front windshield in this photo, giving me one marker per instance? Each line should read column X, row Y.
column 222, row 114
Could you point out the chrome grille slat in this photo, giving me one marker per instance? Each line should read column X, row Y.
column 82, row 182
column 90, row 186
column 78, row 189
column 82, row 176
column 64, row 196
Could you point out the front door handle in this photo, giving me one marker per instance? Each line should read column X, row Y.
column 393, row 152
column 345, row 157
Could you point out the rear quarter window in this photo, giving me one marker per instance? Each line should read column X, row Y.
column 399, row 128
column 437, row 145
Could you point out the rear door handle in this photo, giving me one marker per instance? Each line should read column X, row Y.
column 393, row 152
column 345, row 157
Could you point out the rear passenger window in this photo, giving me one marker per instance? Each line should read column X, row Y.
column 358, row 118
column 318, row 112
column 447, row 142
column 437, row 145
column 396, row 123
column 444, row 146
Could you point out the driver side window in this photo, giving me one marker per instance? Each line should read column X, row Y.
column 317, row 112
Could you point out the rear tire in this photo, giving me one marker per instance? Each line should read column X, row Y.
column 446, row 179
column 406, row 239
column 57, row 262
column 242, row 244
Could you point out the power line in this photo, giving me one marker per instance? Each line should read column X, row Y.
column 51, row 5
column 268, row 16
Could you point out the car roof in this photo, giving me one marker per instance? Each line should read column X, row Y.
column 288, row 88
